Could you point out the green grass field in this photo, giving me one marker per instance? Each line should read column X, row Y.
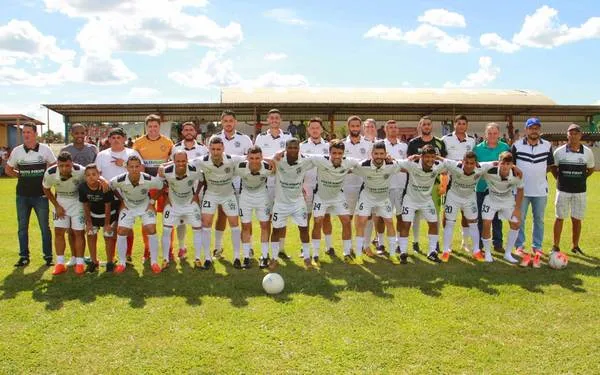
column 460, row 317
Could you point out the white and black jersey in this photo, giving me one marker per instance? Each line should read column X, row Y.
column 289, row 178
column 457, row 148
column 135, row 196
column 533, row 160
column 376, row 178
column 572, row 168
column 218, row 178
column 360, row 150
column 330, row 178
column 270, row 144
column 420, row 182
column 198, row 150
column 501, row 188
column 238, row 144
column 254, row 183
column 182, row 189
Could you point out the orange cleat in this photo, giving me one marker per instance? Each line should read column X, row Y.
column 525, row 260
column 537, row 259
column 58, row 269
column 79, row 269
column 478, row 256
column 155, row 268
column 445, row 256
column 368, row 252
column 120, row 268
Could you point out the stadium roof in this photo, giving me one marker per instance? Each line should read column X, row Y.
column 10, row 119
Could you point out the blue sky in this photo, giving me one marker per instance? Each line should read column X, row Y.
column 88, row 51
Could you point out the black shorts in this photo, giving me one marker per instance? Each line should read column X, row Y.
column 99, row 221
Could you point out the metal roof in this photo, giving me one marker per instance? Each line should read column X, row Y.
column 14, row 119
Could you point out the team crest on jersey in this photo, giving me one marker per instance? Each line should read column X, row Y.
column 363, row 150
column 190, row 183
column 580, row 160
column 386, row 176
column 468, row 147
column 298, row 170
column 40, row 158
column 237, row 144
column 144, row 191
column 325, row 151
column 227, row 170
column 231, row 206
column 281, row 144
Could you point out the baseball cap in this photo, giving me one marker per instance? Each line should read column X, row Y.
column 117, row 131
column 574, row 127
column 533, row 121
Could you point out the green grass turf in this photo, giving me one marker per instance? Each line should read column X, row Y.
column 460, row 317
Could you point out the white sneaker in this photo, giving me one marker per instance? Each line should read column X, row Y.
column 489, row 258
column 71, row 262
column 509, row 258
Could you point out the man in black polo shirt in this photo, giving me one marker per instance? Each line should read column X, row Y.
column 415, row 146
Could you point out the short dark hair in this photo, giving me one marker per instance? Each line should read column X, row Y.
column 353, row 118
column 64, row 156
column 470, row 155
column 315, row 119
column 291, row 141
column 428, row 150
column 228, row 112
column 134, row 158
column 274, row 110
column 337, row 144
column 460, row 117
column 379, row 145
column 117, row 131
column 151, row 118
column 255, row 149
column 89, row 167
column 506, row 157
column 30, row 125
column 215, row 141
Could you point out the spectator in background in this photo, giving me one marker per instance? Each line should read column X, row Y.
column 129, row 142
column 293, row 129
column 3, row 159
column 82, row 153
column 381, row 133
column 370, row 130
column 302, row 131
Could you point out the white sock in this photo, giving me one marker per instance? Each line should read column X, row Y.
column 275, row 250
column 281, row 244
column 512, row 238
column 369, row 230
column 466, row 234
column 60, row 259
column 393, row 244
column 153, row 245
column 433, row 239
column 79, row 260
column 235, row 240
column 306, row 250
column 219, row 239
column 197, row 242
column 474, row 235
column 403, row 244
column 447, row 238
column 121, row 249
column 347, row 246
column 316, row 244
column 206, row 243
column 264, row 247
column 166, row 241
column 380, row 239
column 416, row 227
column 328, row 243
column 181, row 229
column 359, row 245
column 487, row 245
column 246, row 247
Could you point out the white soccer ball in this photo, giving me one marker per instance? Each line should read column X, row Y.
column 273, row 283
column 558, row 260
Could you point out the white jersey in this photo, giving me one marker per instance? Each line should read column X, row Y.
column 330, row 178
column 420, row 182
column 376, row 179
column 135, row 197
column 462, row 186
column 236, row 145
column 66, row 189
column 360, row 150
column 501, row 189
column 219, row 178
column 269, row 144
column 289, row 178
column 182, row 189
column 105, row 161
column 397, row 151
column 198, row 150
column 254, row 184
column 456, row 148
column 309, row 147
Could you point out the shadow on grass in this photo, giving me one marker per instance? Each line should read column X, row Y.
column 377, row 276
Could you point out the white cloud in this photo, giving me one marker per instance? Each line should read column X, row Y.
column 486, row 74
column 443, row 18
column 143, row 92
column 542, row 29
column 7, row 60
column 287, row 16
column 274, row 56
column 424, row 35
column 216, row 71
column 22, row 40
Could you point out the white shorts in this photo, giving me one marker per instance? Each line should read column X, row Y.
column 351, row 194
column 396, row 195
column 368, row 205
column 74, row 217
column 453, row 205
column 297, row 212
column 127, row 217
column 262, row 207
column 175, row 216
column 426, row 210
column 489, row 208
column 211, row 201
column 336, row 206
column 565, row 202
column 309, row 196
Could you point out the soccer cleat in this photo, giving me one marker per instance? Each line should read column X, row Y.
column 58, row 269
column 207, row 264
column 155, row 268
column 510, row 259
column 165, row 264
column 218, row 253
column 348, row 259
column 437, row 247
column 368, row 252
column 316, row 260
column 198, row 264
column 71, row 262
column 403, row 258
column 537, row 259
column 283, row 255
column 478, row 256
column 577, row 250
column 246, row 263
column 520, row 251
column 433, row 256
column 263, row 263
column 273, row 263
column 110, row 266
column 237, row 264
column 555, row 248
column 489, row 258
column 445, row 256
column 22, row 262
column 395, row 259
column 330, row 252
column 308, row 263
column 49, row 262
column 498, row 249
column 358, row 260
column 80, row 269
column 91, row 267
column 182, row 253
column 525, row 260
column 120, row 268
column 416, row 247
column 381, row 250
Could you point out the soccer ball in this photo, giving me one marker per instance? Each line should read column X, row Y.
column 558, row 260
column 273, row 283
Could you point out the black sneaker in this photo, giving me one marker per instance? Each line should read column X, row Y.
column 348, row 259
column 251, row 253
column 403, row 258
column 381, row 250
column 237, row 264
column 263, row 263
column 218, row 253
column 330, row 252
column 437, row 247
column 316, row 259
column 207, row 264
column 110, row 266
column 22, row 262
column 555, row 248
column 577, row 250
column 283, row 255
column 433, row 256
column 416, row 247
column 246, row 263
column 49, row 262
column 91, row 267
column 499, row 249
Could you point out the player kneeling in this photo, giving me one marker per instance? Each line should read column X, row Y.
column 132, row 188
column 501, row 182
column 182, row 205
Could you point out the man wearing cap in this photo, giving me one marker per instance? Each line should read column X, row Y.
column 573, row 163
column 534, row 157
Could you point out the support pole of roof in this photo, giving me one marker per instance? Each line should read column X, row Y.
column 19, row 133
column 67, row 128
